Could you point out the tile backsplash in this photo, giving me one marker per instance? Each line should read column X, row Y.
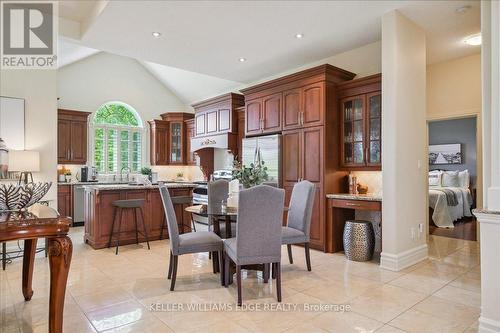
column 372, row 179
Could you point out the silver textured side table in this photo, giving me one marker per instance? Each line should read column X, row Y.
column 359, row 240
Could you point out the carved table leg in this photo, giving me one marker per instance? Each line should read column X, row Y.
column 60, row 251
column 28, row 262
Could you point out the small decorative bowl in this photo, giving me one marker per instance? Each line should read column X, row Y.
column 362, row 189
column 15, row 197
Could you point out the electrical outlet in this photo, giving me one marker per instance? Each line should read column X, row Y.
column 421, row 227
column 413, row 233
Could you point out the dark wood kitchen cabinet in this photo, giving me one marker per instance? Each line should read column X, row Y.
column 241, row 131
column 190, row 133
column 72, row 136
column 158, row 142
column 308, row 109
column 177, row 137
column 169, row 140
column 361, row 123
column 303, row 155
column 65, row 200
column 264, row 115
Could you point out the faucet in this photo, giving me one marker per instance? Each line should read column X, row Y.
column 128, row 173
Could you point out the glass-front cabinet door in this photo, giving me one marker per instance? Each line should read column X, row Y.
column 353, row 131
column 176, row 143
column 374, row 129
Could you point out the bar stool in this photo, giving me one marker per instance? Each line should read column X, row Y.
column 130, row 204
column 181, row 200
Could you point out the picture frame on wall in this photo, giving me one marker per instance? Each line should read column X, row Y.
column 445, row 154
column 12, row 132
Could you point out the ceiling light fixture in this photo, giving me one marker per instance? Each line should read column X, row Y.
column 242, row 59
column 156, row 34
column 473, row 40
column 299, row 36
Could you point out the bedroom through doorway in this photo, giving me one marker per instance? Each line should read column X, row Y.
column 453, row 177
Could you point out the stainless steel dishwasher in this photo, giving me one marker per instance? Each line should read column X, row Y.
column 78, row 203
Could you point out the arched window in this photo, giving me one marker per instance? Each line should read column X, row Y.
column 118, row 136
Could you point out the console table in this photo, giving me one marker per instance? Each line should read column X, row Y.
column 342, row 207
column 40, row 221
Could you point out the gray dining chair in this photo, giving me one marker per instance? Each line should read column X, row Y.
column 191, row 242
column 298, row 227
column 258, row 233
column 218, row 191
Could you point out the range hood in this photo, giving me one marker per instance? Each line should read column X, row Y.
column 221, row 141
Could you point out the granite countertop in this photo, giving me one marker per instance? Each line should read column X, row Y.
column 347, row 196
column 110, row 187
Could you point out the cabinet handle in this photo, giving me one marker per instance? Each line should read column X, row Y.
column 352, row 204
column 157, row 157
column 302, row 118
column 68, row 155
column 72, row 153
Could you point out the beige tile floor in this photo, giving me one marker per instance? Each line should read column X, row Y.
column 108, row 293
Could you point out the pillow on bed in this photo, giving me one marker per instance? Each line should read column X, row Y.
column 435, row 178
column 450, row 179
column 464, row 178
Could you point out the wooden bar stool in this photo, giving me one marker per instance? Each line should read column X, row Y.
column 131, row 204
column 181, row 200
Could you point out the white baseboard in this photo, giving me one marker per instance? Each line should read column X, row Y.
column 399, row 261
column 488, row 325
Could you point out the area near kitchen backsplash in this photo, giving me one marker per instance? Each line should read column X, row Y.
column 189, row 173
column 372, row 179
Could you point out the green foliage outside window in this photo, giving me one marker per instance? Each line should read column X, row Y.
column 115, row 145
column 115, row 114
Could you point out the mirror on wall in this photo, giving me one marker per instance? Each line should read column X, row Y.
column 11, row 131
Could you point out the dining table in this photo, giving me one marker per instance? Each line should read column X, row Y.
column 217, row 213
column 40, row 221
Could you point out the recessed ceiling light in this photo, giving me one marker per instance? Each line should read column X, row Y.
column 299, row 36
column 156, row 34
column 242, row 59
column 473, row 40
column 462, row 9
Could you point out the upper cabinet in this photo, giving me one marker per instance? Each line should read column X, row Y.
column 158, row 142
column 190, row 133
column 169, row 139
column 217, row 115
column 361, row 123
column 264, row 115
column 72, row 136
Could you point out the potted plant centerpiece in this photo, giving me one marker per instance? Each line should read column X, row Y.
column 252, row 175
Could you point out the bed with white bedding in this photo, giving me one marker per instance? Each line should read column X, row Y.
column 449, row 203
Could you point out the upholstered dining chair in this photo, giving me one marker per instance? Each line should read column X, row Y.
column 218, row 191
column 192, row 242
column 298, row 227
column 258, row 233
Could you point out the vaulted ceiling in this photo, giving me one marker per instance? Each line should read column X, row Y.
column 209, row 37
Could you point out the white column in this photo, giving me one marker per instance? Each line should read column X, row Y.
column 489, row 217
column 404, row 161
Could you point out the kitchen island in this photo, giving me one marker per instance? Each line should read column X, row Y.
column 99, row 210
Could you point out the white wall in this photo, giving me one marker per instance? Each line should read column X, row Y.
column 38, row 88
column 87, row 84
column 403, row 138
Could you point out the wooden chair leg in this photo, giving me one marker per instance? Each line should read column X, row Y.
column 144, row 226
column 278, row 280
column 112, row 227
column 221, row 268
column 273, row 272
column 308, row 256
column 238, row 282
column 136, row 228
column 265, row 273
column 174, row 273
column 289, row 248
column 227, row 269
column 169, row 276
column 214, row 262
column 120, row 212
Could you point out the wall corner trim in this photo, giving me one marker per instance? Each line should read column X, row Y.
column 487, row 325
column 400, row 261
